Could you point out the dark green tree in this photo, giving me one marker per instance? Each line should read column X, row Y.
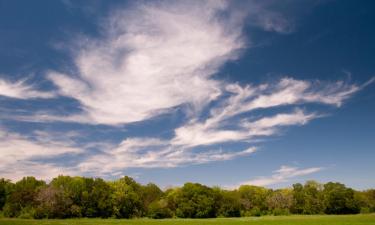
column 195, row 201
column 5, row 188
column 23, row 197
column 339, row 199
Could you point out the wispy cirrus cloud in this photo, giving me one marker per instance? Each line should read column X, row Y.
column 242, row 100
column 21, row 90
column 155, row 56
column 282, row 175
column 19, row 152
column 192, row 143
column 152, row 153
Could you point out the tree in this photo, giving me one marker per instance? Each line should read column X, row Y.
column 159, row 209
column 280, row 201
column 227, row 203
column 313, row 196
column 96, row 198
column 253, row 200
column 73, row 188
column 370, row 198
column 298, row 199
column 339, row 199
column 5, row 187
column 151, row 193
column 67, row 197
column 195, row 201
column 52, row 203
column 126, row 197
column 23, row 196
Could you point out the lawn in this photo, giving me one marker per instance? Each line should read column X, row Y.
column 368, row 219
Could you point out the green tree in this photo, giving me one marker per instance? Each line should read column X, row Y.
column 227, row 203
column 23, row 197
column 5, row 188
column 339, row 199
column 73, row 188
column 298, row 199
column 314, row 203
column 127, row 198
column 159, row 209
column 253, row 200
column 370, row 198
column 195, row 201
column 96, row 198
column 151, row 193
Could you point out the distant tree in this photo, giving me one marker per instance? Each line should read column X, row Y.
column 23, row 197
column 5, row 188
column 370, row 198
column 314, row 203
column 52, row 203
column 126, row 197
column 97, row 198
column 253, row 200
column 159, row 209
column 195, row 201
column 73, row 188
column 67, row 197
column 227, row 203
column 280, row 201
column 151, row 193
column 339, row 199
column 298, row 199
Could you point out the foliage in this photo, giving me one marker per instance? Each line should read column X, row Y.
column 195, row 201
column 339, row 199
column 69, row 197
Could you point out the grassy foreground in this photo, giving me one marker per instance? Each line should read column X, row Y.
column 367, row 219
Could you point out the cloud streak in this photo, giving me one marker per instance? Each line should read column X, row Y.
column 282, row 175
column 18, row 154
column 20, row 90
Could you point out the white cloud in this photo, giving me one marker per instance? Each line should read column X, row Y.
column 155, row 56
column 282, row 175
column 201, row 134
column 44, row 171
column 17, row 154
column 152, row 153
column 181, row 149
column 21, row 90
column 242, row 100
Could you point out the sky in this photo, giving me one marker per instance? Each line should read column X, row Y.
column 224, row 93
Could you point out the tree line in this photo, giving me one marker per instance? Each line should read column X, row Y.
column 73, row 197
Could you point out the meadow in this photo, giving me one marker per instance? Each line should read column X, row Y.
column 361, row 219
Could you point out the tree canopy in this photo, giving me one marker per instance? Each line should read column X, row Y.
column 69, row 197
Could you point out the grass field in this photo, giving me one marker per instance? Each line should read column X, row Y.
column 368, row 219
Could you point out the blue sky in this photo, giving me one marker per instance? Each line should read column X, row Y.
column 219, row 92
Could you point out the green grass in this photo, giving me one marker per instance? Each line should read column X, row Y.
column 367, row 219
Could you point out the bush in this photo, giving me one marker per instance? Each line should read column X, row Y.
column 255, row 212
column 159, row 210
column 75, row 211
column 365, row 210
column 27, row 213
column 281, row 212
